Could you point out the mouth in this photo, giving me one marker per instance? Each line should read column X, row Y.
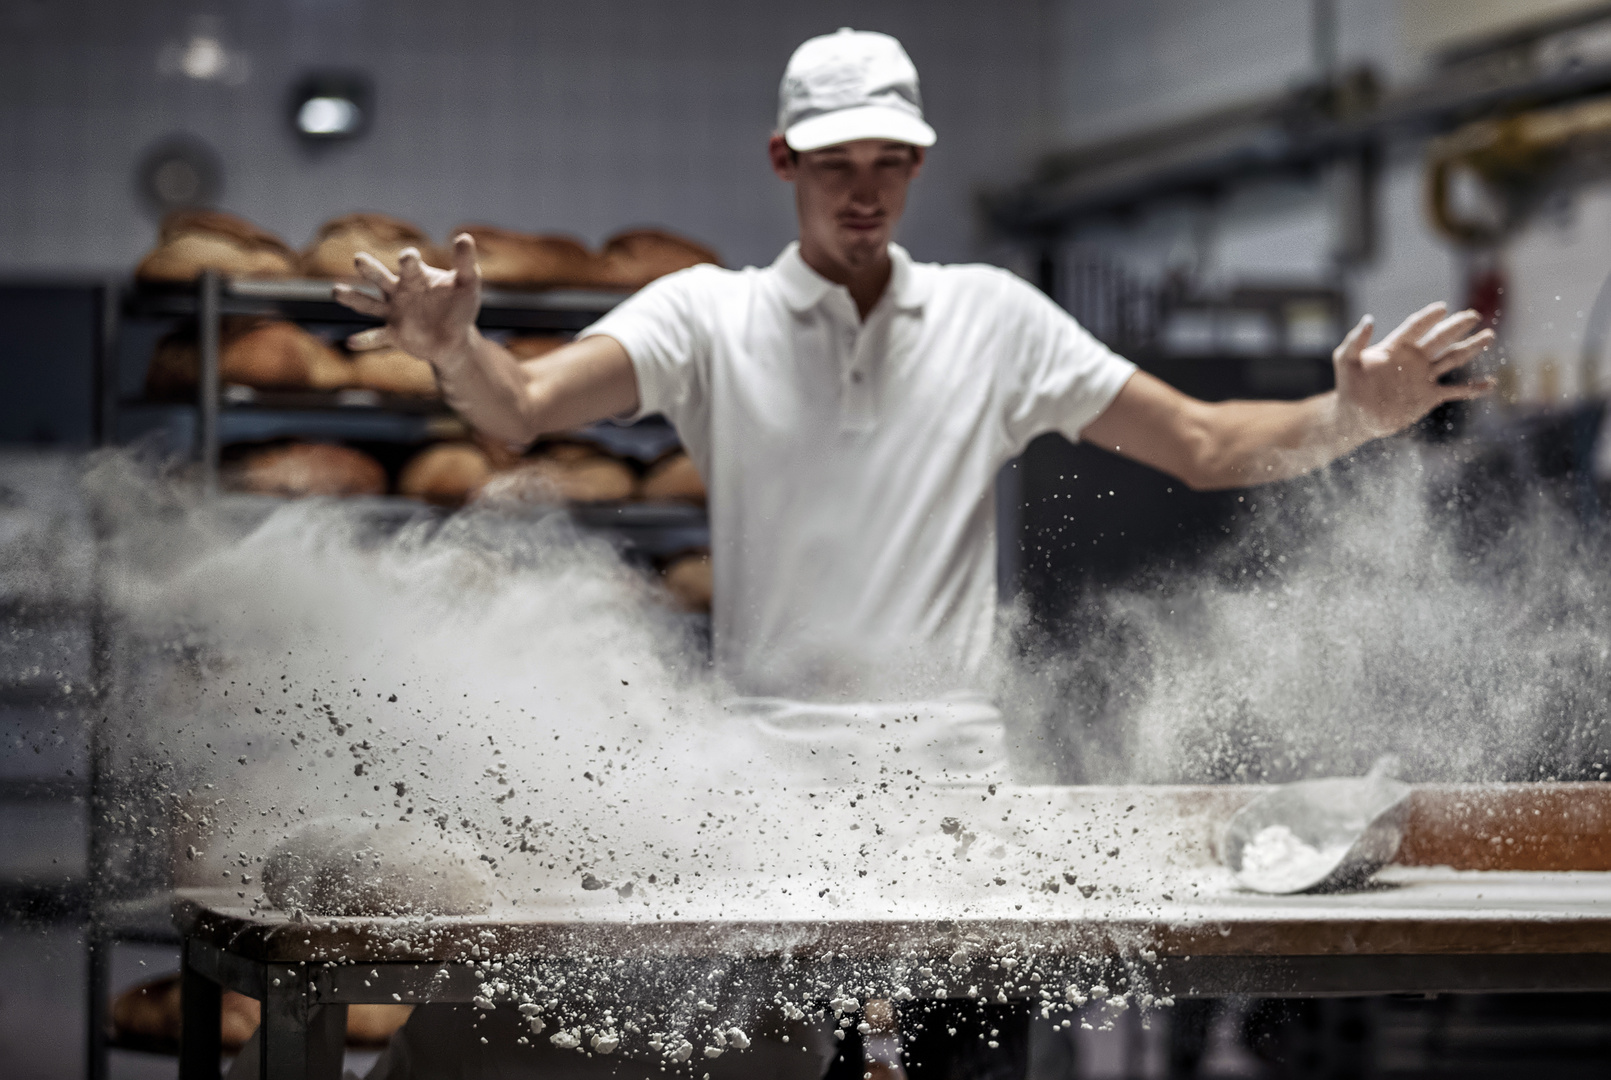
column 862, row 226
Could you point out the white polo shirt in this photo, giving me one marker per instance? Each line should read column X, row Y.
column 851, row 464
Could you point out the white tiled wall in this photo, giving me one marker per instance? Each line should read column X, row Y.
column 584, row 117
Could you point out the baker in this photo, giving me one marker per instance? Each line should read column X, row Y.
column 850, row 407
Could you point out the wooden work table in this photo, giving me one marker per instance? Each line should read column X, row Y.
column 1506, row 889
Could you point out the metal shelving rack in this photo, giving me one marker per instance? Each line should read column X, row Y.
column 214, row 297
column 651, row 529
column 646, row 529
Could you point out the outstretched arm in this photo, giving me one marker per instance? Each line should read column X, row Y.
column 1381, row 389
column 430, row 313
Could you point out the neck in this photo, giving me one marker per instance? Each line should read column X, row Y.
column 866, row 282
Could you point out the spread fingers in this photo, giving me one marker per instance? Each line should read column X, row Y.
column 1449, row 331
column 410, row 270
column 371, row 270
column 1461, row 353
column 1467, row 391
column 1413, row 327
column 378, row 337
column 361, row 302
column 464, row 264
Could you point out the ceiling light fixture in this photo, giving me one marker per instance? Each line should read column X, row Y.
column 203, row 55
column 330, row 106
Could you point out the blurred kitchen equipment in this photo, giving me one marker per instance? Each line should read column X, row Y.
column 1507, row 157
column 1318, row 834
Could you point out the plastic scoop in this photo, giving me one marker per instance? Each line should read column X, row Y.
column 1318, row 834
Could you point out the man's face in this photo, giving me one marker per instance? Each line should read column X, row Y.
column 849, row 196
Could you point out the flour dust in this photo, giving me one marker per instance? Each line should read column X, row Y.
column 1411, row 603
column 317, row 710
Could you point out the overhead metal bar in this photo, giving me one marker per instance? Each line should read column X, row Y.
column 1292, row 133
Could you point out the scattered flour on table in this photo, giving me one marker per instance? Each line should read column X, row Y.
column 1277, row 861
column 494, row 714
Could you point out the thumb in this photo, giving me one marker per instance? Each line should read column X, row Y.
column 1355, row 342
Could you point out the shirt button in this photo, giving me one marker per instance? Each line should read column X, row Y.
column 855, row 376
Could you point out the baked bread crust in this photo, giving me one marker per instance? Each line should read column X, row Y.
column 265, row 354
column 632, row 259
column 191, row 241
column 527, row 261
column 689, row 580
column 445, row 474
column 340, row 239
column 562, row 473
column 393, row 371
column 302, row 469
column 283, row 356
column 674, row 477
column 152, row 1012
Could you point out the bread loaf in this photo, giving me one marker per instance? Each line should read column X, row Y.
column 299, row 469
column 520, row 260
column 531, row 346
column 393, row 371
column 282, row 356
column 445, row 474
column 151, row 1013
column 195, row 240
column 373, row 1025
column 174, row 366
column 674, row 477
column 688, row 579
column 261, row 353
column 340, row 240
column 562, row 473
column 632, row 259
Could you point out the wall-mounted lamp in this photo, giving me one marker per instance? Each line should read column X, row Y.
column 178, row 173
column 329, row 106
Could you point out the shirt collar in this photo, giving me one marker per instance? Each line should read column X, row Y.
column 804, row 288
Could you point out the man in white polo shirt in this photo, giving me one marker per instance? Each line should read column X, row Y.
column 849, row 410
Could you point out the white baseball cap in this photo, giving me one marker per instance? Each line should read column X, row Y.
column 855, row 84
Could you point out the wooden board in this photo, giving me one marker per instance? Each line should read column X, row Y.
column 1509, row 827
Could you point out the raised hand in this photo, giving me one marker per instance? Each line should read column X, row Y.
column 1384, row 388
column 429, row 313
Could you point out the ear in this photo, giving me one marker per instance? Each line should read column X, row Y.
column 920, row 154
column 783, row 160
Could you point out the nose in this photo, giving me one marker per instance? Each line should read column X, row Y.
column 864, row 191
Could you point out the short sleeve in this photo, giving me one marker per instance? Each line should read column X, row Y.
column 1057, row 377
column 665, row 330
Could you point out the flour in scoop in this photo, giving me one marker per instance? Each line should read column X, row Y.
column 1276, row 861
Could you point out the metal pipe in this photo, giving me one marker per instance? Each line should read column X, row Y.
column 207, row 317
column 106, row 368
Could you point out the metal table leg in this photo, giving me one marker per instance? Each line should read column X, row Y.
column 301, row 1039
column 207, row 381
column 201, row 1005
column 99, row 944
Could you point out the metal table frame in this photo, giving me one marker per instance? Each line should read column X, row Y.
column 304, row 1026
column 305, row 998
